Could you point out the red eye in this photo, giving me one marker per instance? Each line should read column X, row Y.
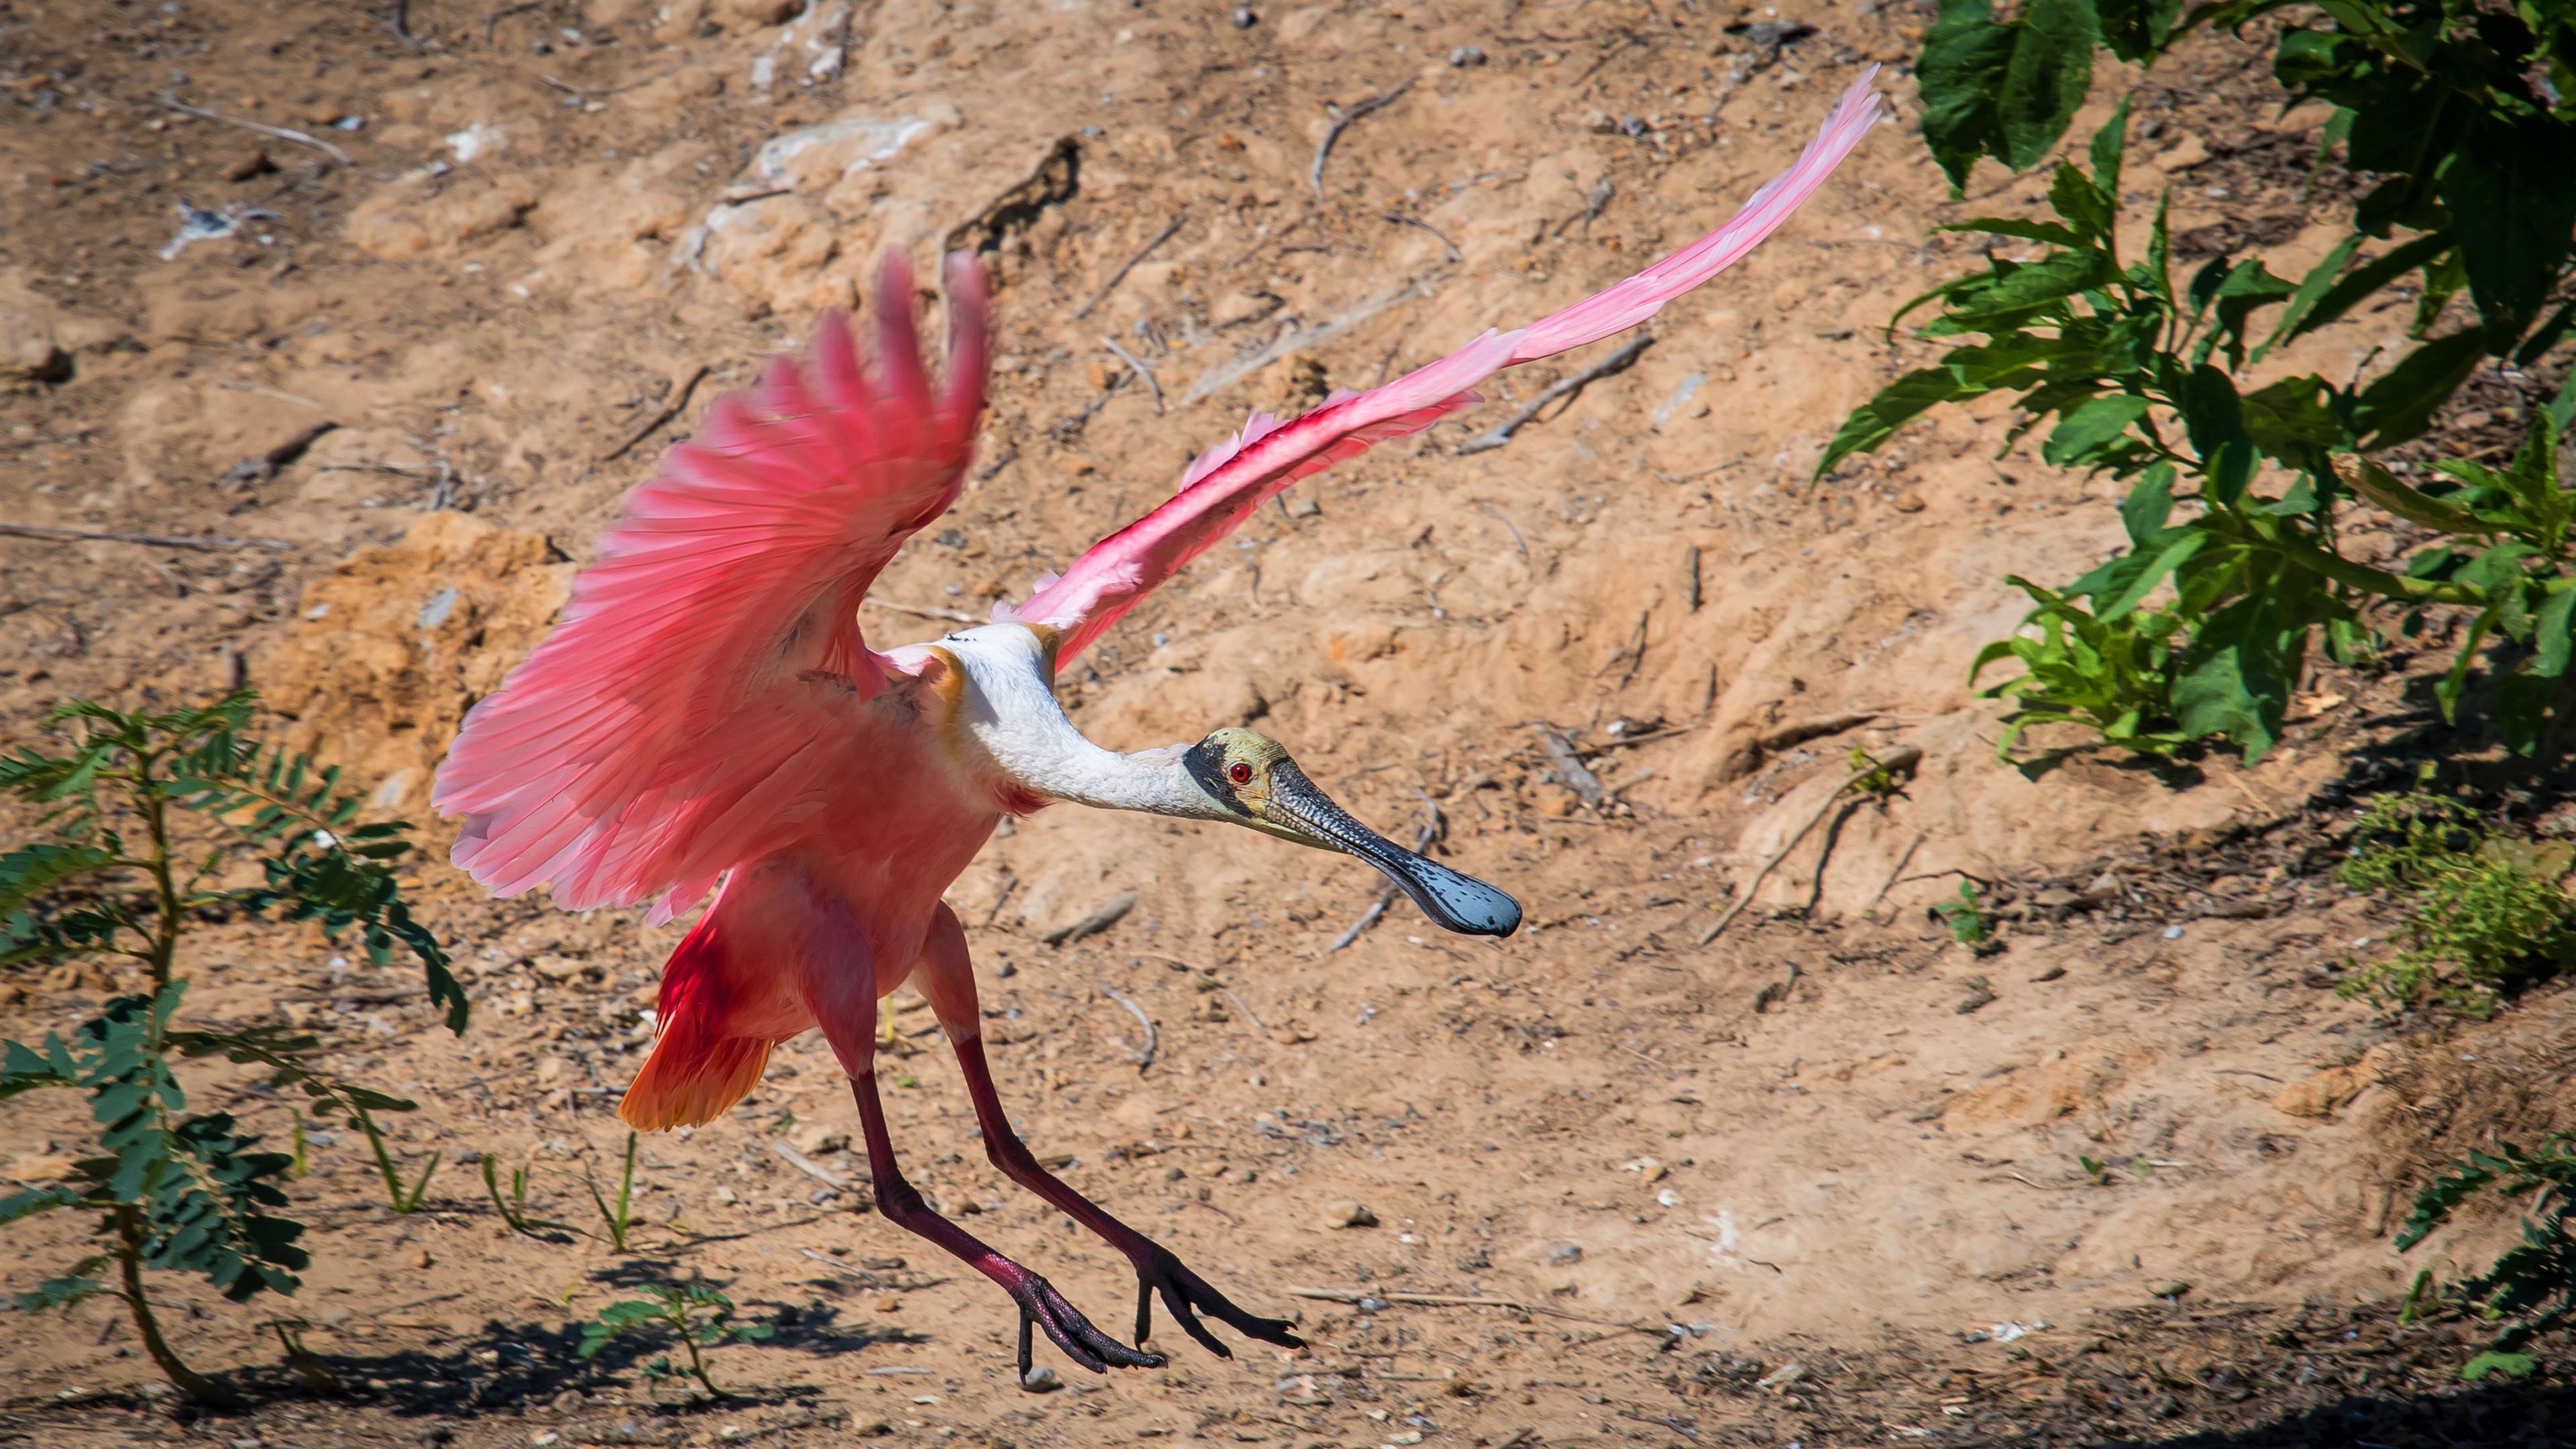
column 1239, row 772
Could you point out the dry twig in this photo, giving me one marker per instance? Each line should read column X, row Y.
column 1289, row 343
column 953, row 616
column 155, row 540
column 1341, row 122
column 670, row 410
column 1904, row 757
column 1618, row 361
column 282, row 133
column 1144, row 1058
column 1141, row 370
column 1129, row 265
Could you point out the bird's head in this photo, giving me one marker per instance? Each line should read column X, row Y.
column 1250, row 780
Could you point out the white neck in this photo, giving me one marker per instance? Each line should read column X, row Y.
column 1009, row 707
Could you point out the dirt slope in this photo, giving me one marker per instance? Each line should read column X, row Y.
column 561, row 230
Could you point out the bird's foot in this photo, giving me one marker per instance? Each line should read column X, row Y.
column 1043, row 1307
column 1182, row 1291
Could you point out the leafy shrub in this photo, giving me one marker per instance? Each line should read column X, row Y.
column 2466, row 118
column 2531, row 1288
column 677, row 1310
column 144, row 812
column 2487, row 912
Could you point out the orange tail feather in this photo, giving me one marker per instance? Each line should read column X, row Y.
column 702, row 1062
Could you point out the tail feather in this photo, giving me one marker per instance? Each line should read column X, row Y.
column 719, row 1015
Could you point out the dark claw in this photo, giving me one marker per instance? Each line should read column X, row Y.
column 1068, row 1330
column 1183, row 1290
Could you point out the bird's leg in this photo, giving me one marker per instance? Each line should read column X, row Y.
column 1039, row 1302
column 1157, row 1271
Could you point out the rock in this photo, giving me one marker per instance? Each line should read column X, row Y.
column 758, row 12
column 1041, row 1379
column 821, row 1137
column 29, row 349
column 254, row 164
column 1564, row 1255
column 1909, row 501
column 1465, row 56
column 1348, row 1215
column 1237, row 308
column 2321, row 1094
column 41, row 1169
column 869, row 1428
column 365, row 685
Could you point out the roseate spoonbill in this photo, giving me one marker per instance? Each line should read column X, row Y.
column 707, row 716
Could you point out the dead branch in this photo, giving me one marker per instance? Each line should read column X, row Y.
column 1093, row 924
column 953, row 616
column 670, row 410
column 1290, row 343
column 282, row 133
column 154, row 540
column 1144, row 1058
column 1342, row 122
column 1904, row 757
column 1570, row 768
column 1129, row 265
column 1400, row 219
column 1141, row 370
column 1618, row 361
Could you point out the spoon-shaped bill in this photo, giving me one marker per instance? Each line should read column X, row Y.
column 1458, row 903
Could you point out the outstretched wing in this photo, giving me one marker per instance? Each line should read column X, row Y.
column 701, row 700
column 1235, row 477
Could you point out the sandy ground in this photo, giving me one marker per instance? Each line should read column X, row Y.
column 1818, row 1181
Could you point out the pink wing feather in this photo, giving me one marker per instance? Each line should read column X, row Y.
column 1235, row 477
column 698, row 705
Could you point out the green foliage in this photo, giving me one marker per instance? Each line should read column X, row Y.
column 405, row 1200
column 1967, row 919
column 2460, row 114
column 2486, row 912
column 178, row 1191
column 2531, row 1288
column 676, row 1310
column 618, row 1217
column 514, row 1208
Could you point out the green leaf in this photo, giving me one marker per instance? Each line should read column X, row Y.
column 2510, row 1365
column 63, row 1292
column 2081, row 439
column 1876, row 421
column 2215, row 419
column 2176, row 551
column 2293, row 420
column 2244, row 659
column 2508, row 190
column 2399, row 406
column 2149, row 504
column 2138, row 30
column 2365, row 282
column 2552, row 624
column 2005, row 91
column 2039, row 231
column 31, row 870
column 2312, row 290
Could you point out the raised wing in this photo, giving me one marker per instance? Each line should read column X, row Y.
column 1235, row 477
column 700, row 701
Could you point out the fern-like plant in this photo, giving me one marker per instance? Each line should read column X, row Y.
column 140, row 816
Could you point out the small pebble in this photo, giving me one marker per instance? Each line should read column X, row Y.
column 1244, row 19
column 1348, row 1215
column 1466, row 55
column 1041, row 1380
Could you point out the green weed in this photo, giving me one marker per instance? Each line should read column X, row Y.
column 678, row 1310
column 2485, row 912
column 2531, row 1288
column 141, row 813
column 618, row 1216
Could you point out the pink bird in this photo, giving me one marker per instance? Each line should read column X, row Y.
column 707, row 716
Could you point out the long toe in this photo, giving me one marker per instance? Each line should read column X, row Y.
column 1187, row 1295
column 1068, row 1330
